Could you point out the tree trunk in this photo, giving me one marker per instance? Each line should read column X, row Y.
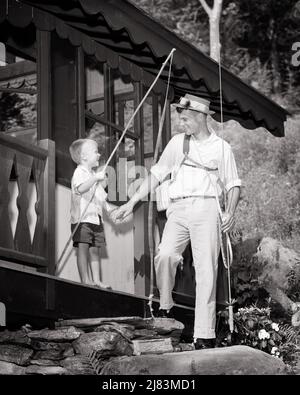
column 214, row 36
column 214, row 15
column 275, row 66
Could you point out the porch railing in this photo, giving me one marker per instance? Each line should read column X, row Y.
column 23, row 163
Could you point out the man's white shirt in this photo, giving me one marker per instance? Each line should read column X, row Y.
column 213, row 152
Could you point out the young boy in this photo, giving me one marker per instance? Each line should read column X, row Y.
column 85, row 184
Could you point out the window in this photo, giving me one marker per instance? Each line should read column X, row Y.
column 18, row 95
column 109, row 106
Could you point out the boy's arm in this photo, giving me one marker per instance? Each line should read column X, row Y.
column 87, row 185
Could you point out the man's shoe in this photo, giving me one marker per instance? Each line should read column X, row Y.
column 201, row 344
column 162, row 313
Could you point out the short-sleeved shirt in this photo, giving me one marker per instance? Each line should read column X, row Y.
column 213, row 152
column 79, row 201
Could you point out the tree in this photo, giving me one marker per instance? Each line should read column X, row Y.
column 214, row 15
column 10, row 112
column 267, row 31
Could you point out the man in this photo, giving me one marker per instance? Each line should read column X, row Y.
column 193, row 213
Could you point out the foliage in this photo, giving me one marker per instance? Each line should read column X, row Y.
column 17, row 111
column 256, row 39
column 254, row 327
column 10, row 112
column 245, row 286
column 270, row 170
column 270, row 206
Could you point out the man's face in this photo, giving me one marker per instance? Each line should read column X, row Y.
column 188, row 122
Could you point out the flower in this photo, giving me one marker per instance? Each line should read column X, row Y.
column 275, row 326
column 263, row 334
column 275, row 351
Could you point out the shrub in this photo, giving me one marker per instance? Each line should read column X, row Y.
column 254, row 327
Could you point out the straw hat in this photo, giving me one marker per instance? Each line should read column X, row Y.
column 194, row 103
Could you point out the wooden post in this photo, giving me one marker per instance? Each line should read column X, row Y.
column 80, row 80
column 108, row 108
column 155, row 119
column 140, row 214
column 168, row 124
column 2, row 314
column 44, row 85
column 48, row 195
column 166, row 134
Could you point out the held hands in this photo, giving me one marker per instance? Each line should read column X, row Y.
column 227, row 222
column 122, row 212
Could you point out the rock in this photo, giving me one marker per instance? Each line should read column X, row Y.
column 146, row 334
column 94, row 322
column 124, row 330
column 78, row 365
column 153, row 346
column 69, row 352
column 43, row 362
column 297, row 367
column 58, row 335
column 274, row 267
column 186, row 347
column 45, row 370
column 15, row 354
column 44, row 346
column 235, row 360
column 106, row 343
column 163, row 326
column 279, row 271
column 7, row 368
column 56, row 354
column 17, row 337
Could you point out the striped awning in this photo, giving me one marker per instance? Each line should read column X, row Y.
column 138, row 45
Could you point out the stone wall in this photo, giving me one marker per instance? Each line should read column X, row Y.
column 121, row 346
column 84, row 346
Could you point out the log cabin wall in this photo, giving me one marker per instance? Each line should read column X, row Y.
column 105, row 100
column 82, row 96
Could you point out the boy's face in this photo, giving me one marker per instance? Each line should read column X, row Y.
column 90, row 154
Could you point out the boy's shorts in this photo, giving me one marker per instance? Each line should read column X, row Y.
column 88, row 233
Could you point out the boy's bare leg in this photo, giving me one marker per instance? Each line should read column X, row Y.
column 83, row 263
column 95, row 267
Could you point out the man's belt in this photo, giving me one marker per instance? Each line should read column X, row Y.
column 192, row 196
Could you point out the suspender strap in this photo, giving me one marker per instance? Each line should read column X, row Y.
column 197, row 164
column 186, row 150
column 186, row 145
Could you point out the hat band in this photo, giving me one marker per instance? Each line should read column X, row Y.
column 193, row 105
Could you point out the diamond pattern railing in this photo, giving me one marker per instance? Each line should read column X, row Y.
column 24, row 164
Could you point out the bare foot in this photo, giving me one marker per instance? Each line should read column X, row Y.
column 100, row 284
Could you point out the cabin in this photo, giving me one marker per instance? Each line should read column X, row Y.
column 76, row 69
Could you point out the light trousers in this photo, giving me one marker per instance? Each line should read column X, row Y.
column 195, row 220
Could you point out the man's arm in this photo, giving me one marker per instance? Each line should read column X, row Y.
column 158, row 173
column 232, row 202
column 147, row 186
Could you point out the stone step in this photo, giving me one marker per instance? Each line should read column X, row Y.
column 153, row 346
column 235, row 360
